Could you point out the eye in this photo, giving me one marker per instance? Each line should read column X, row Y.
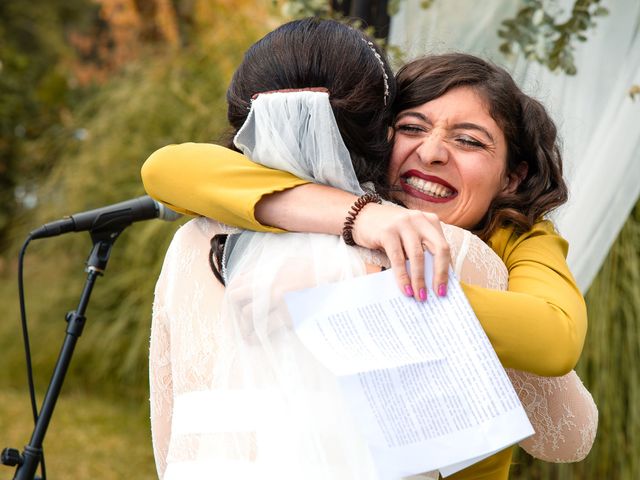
column 410, row 128
column 469, row 142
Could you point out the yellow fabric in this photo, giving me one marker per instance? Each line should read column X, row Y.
column 495, row 467
column 212, row 181
column 540, row 322
column 537, row 325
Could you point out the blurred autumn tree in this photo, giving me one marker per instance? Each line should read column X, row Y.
column 129, row 77
column 35, row 90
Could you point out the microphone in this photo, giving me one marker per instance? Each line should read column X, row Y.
column 112, row 217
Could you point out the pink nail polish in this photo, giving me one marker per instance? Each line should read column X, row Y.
column 422, row 294
column 442, row 290
column 408, row 290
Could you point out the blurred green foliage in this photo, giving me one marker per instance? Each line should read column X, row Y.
column 34, row 90
column 536, row 32
column 535, row 29
column 169, row 92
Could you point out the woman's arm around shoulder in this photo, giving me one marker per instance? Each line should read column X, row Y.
column 216, row 182
column 212, row 181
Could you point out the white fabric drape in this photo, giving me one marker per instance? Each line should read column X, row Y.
column 598, row 121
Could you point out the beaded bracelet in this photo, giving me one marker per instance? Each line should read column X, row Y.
column 347, row 229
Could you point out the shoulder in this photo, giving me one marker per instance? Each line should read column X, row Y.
column 202, row 227
column 193, row 239
column 178, row 150
column 541, row 239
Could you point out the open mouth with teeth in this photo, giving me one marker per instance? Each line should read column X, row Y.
column 427, row 188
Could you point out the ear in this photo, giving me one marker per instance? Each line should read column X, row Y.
column 391, row 132
column 516, row 177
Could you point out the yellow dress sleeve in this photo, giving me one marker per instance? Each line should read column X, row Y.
column 212, row 181
column 538, row 325
column 540, row 322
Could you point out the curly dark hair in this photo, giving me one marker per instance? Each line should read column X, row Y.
column 530, row 133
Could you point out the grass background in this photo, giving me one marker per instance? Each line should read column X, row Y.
column 89, row 436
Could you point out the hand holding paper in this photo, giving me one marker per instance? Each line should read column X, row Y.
column 421, row 379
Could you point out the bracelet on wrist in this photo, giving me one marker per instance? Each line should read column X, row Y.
column 358, row 205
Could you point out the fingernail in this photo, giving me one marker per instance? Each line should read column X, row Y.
column 422, row 294
column 442, row 290
column 408, row 290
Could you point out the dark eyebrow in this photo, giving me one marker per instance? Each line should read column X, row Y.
column 417, row 115
column 474, row 126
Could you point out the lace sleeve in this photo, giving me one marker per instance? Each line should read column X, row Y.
column 160, row 378
column 563, row 413
column 184, row 345
column 561, row 410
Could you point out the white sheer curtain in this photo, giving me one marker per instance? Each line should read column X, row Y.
column 599, row 123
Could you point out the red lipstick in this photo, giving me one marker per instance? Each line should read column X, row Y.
column 414, row 192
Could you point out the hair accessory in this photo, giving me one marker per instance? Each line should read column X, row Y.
column 384, row 71
column 347, row 229
column 289, row 90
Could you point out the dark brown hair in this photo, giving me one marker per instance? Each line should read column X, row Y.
column 324, row 53
column 313, row 53
column 530, row 133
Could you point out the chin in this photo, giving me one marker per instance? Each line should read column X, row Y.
column 424, row 205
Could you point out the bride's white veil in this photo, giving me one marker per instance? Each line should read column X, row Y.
column 284, row 416
column 296, row 131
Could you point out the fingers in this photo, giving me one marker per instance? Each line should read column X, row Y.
column 395, row 252
column 415, row 253
column 408, row 237
column 441, row 260
column 438, row 246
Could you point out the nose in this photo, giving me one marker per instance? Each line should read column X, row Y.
column 433, row 150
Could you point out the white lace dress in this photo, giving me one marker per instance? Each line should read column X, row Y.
column 234, row 395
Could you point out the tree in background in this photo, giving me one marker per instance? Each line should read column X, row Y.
column 535, row 30
column 35, row 92
column 137, row 76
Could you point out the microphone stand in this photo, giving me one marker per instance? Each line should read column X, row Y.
column 27, row 462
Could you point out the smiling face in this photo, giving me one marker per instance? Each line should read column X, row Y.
column 449, row 158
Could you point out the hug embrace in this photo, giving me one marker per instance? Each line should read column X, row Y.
column 448, row 156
